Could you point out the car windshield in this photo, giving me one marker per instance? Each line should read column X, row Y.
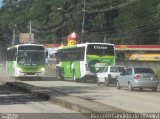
column 143, row 70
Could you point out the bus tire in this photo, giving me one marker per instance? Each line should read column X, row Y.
column 61, row 75
column 62, row 78
column 13, row 75
column 74, row 78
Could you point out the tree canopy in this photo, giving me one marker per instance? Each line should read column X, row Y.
column 114, row 21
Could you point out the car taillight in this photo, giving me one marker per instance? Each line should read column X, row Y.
column 137, row 77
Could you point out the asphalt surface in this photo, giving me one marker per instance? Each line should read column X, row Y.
column 18, row 104
column 59, row 97
column 88, row 98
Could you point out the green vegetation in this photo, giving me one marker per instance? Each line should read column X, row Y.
column 121, row 21
column 158, row 73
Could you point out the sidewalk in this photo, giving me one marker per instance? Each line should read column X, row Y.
column 58, row 97
column 65, row 100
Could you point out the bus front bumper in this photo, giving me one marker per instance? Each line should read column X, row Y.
column 30, row 74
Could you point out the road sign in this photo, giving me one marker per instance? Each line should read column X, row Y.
column 26, row 38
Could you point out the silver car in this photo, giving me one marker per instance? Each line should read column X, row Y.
column 138, row 77
column 109, row 74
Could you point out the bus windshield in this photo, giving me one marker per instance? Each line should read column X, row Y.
column 100, row 50
column 31, row 57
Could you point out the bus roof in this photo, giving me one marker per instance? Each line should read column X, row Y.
column 27, row 44
column 84, row 44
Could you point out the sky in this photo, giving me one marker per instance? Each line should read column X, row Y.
column 0, row 3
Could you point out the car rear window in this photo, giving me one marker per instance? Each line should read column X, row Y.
column 143, row 70
column 117, row 69
column 121, row 69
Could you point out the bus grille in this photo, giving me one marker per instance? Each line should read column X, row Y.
column 30, row 73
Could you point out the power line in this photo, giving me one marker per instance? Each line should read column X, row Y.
column 112, row 8
column 144, row 27
column 50, row 31
column 96, row 3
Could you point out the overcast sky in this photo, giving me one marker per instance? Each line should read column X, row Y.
column 0, row 3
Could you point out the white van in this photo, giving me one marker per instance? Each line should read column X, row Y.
column 109, row 74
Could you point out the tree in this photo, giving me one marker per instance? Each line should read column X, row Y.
column 136, row 24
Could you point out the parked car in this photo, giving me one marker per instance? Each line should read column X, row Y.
column 109, row 74
column 138, row 77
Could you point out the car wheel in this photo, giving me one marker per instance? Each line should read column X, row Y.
column 98, row 83
column 154, row 89
column 106, row 82
column 130, row 88
column 118, row 85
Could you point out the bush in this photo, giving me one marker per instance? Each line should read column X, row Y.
column 158, row 72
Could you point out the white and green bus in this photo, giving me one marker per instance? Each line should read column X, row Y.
column 83, row 61
column 26, row 60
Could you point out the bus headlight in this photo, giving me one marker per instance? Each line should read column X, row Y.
column 42, row 69
column 19, row 69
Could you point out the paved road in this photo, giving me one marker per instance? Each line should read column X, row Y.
column 13, row 101
column 145, row 101
column 136, row 101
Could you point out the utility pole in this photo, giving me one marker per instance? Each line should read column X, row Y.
column 14, row 35
column 30, row 31
column 62, row 11
column 63, row 22
column 105, row 38
column 83, row 22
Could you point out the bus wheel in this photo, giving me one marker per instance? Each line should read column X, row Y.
column 61, row 77
column 13, row 75
column 74, row 78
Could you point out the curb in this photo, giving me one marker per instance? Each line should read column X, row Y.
column 65, row 100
